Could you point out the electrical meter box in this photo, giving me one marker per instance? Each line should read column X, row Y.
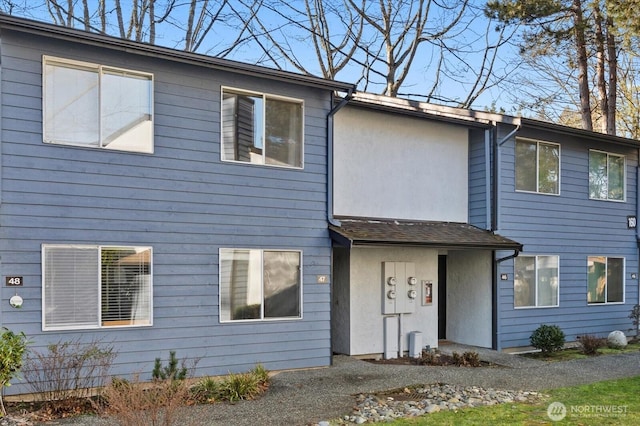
column 399, row 287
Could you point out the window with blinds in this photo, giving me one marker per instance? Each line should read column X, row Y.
column 96, row 286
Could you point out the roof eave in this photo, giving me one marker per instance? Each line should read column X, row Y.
column 79, row 36
column 574, row 131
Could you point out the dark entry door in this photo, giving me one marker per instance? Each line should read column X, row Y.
column 442, row 297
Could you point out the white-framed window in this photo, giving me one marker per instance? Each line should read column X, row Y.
column 605, row 278
column 606, row 176
column 537, row 166
column 91, row 286
column 260, row 284
column 96, row 106
column 536, row 282
column 262, row 129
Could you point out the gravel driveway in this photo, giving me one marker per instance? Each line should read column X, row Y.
column 306, row 397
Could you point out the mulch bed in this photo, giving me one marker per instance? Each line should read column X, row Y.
column 432, row 359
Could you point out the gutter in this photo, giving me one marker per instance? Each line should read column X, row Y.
column 333, row 221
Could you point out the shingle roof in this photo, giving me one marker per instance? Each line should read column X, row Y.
column 357, row 231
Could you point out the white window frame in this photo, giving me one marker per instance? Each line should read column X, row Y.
column 99, row 324
column 264, row 97
column 624, row 178
column 515, row 166
column 536, row 263
column 100, row 71
column 624, row 282
column 262, row 317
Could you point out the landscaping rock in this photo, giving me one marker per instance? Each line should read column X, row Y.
column 431, row 399
column 617, row 340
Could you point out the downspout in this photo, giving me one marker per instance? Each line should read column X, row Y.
column 638, row 229
column 488, row 133
column 330, row 218
column 330, row 116
column 495, row 224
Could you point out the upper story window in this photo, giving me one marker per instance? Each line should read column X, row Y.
column 262, row 129
column 260, row 284
column 537, row 166
column 536, row 281
column 96, row 106
column 605, row 279
column 87, row 286
column 606, row 176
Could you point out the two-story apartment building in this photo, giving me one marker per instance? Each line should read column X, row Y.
column 476, row 228
column 161, row 200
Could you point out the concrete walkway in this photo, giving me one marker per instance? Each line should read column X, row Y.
column 306, row 397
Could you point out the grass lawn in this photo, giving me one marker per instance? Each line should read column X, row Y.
column 576, row 353
column 584, row 404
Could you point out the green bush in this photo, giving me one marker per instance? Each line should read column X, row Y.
column 547, row 338
column 171, row 371
column 12, row 348
column 233, row 387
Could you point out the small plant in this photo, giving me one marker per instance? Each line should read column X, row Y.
column 467, row 359
column 12, row 348
column 206, row 390
column 239, row 386
column 233, row 387
column 589, row 344
column 430, row 357
column 68, row 371
column 134, row 403
column 471, row 358
column 635, row 319
column 171, row 371
column 261, row 373
column 548, row 338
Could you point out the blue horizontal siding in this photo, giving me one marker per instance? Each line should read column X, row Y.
column 181, row 200
column 573, row 227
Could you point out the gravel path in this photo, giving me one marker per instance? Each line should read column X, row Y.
column 308, row 397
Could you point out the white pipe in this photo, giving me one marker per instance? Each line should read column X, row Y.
column 400, row 348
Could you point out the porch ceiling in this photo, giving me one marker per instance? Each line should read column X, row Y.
column 358, row 231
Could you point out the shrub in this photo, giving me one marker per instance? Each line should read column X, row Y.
column 133, row 403
column 68, row 370
column 171, row 371
column 635, row 319
column 589, row 344
column 233, row 387
column 430, row 357
column 12, row 349
column 547, row 338
column 206, row 390
column 467, row 359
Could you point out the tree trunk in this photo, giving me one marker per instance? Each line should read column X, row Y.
column 583, row 70
column 601, row 81
column 612, row 59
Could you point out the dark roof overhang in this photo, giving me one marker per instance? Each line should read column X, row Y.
column 576, row 132
column 388, row 232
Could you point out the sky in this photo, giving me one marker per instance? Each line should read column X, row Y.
column 462, row 63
